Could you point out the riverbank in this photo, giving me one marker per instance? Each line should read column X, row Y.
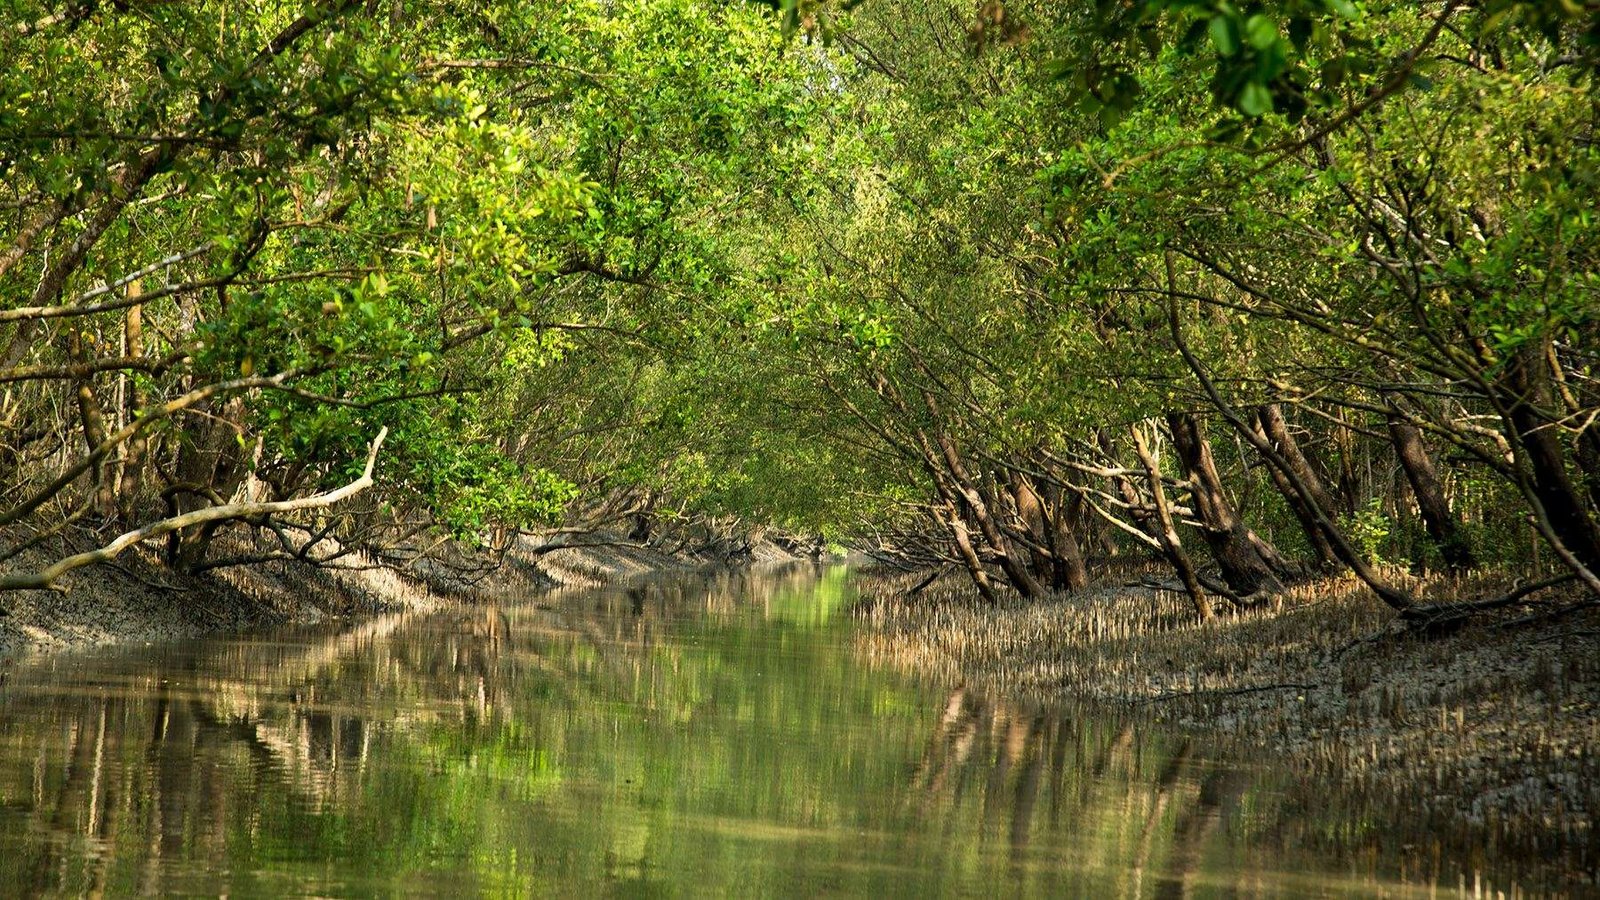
column 1486, row 737
column 137, row 599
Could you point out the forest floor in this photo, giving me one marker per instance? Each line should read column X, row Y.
column 136, row 599
column 1486, row 737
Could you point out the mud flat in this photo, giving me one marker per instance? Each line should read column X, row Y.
column 137, row 599
column 1486, row 740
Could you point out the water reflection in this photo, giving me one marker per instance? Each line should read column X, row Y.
column 697, row 735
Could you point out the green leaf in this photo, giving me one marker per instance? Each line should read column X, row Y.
column 1261, row 32
column 1255, row 99
column 1225, row 34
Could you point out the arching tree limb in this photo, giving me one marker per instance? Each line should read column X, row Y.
column 46, row 579
column 144, row 421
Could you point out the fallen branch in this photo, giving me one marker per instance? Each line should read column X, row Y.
column 46, row 579
column 1225, row 692
column 1436, row 616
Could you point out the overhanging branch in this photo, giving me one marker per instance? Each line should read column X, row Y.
column 46, row 579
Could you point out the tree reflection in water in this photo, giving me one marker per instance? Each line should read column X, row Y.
column 690, row 735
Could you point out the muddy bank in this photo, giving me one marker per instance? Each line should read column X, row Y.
column 137, row 599
column 1487, row 738
column 593, row 559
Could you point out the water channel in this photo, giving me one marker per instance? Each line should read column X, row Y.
column 702, row 736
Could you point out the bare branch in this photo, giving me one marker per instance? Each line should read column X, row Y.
column 46, row 579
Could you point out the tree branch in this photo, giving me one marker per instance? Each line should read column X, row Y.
column 46, row 579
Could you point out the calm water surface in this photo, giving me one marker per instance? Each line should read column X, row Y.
column 691, row 736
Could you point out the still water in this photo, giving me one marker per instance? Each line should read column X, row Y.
column 690, row 736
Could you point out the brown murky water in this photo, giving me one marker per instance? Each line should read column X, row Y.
column 691, row 736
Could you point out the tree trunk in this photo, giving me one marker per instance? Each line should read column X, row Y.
column 1015, row 572
column 1528, row 380
column 951, row 519
column 1096, row 536
column 1168, row 532
column 1068, row 571
column 1580, row 400
column 1589, row 462
column 963, row 487
column 1126, row 489
column 1437, row 517
column 1031, row 512
column 131, row 467
column 1349, row 482
column 93, row 421
column 1276, row 432
column 211, row 461
column 1248, row 563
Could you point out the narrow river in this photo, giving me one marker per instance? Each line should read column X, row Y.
column 685, row 736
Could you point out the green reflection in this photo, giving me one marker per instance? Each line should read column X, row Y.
column 710, row 735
